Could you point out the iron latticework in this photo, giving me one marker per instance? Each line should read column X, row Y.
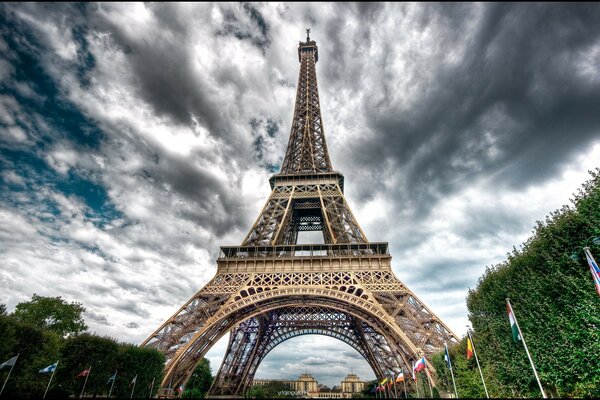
column 270, row 289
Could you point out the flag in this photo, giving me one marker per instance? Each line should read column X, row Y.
column 180, row 388
column 9, row 363
column 48, row 369
column 400, row 377
column 414, row 376
column 469, row 348
column 112, row 378
column 383, row 382
column 83, row 373
column 420, row 365
column 594, row 269
column 447, row 357
column 134, row 380
column 513, row 323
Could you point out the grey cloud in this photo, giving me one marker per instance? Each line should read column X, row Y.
column 352, row 354
column 99, row 318
column 132, row 325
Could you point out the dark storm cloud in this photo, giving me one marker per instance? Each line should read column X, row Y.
column 165, row 72
column 257, row 31
column 515, row 91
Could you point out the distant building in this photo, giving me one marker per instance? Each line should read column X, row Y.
column 308, row 385
column 352, row 384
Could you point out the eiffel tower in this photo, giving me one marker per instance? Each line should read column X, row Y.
column 270, row 289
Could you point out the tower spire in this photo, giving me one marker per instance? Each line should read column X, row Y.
column 307, row 150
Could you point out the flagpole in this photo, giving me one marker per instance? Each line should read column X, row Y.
column 8, row 376
column 404, row 383
column 50, row 381
column 451, row 370
column 527, row 350
column 151, row 388
column 429, row 382
column 394, row 383
column 85, row 382
column 113, row 384
column 478, row 366
column 133, row 388
column 416, row 383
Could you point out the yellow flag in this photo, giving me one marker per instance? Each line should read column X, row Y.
column 384, row 381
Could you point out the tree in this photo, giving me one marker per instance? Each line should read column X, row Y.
column 141, row 363
column 200, row 381
column 80, row 352
column 53, row 314
column 37, row 348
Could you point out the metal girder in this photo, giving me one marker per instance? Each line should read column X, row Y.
column 307, row 149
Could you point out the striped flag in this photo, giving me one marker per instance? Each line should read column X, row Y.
column 513, row 323
column 447, row 357
column 469, row 348
column 420, row 365
column 593, row 268
column 400, row 377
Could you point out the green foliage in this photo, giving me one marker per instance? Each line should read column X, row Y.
column 52, row 313
column 269, row 391
column 81, row 352
column 556, row 305
column 144, row 363
column 37, row 349
column 200, row 381
column 40, row 341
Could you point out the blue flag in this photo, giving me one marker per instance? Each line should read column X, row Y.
column 112, row 378
column 48, row 369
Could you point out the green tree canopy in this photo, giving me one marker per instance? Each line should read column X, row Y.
column 200, row 381
column 53, row 314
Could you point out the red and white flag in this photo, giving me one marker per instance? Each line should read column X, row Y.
column 83, row 373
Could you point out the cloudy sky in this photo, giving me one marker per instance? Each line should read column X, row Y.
column 136, row 139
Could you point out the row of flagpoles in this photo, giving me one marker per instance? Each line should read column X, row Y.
column 517, row 337
column 85, row 373
column 383, row 388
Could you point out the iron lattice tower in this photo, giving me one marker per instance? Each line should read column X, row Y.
column 270, row 289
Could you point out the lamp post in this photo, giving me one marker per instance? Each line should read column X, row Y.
column 590, row 259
